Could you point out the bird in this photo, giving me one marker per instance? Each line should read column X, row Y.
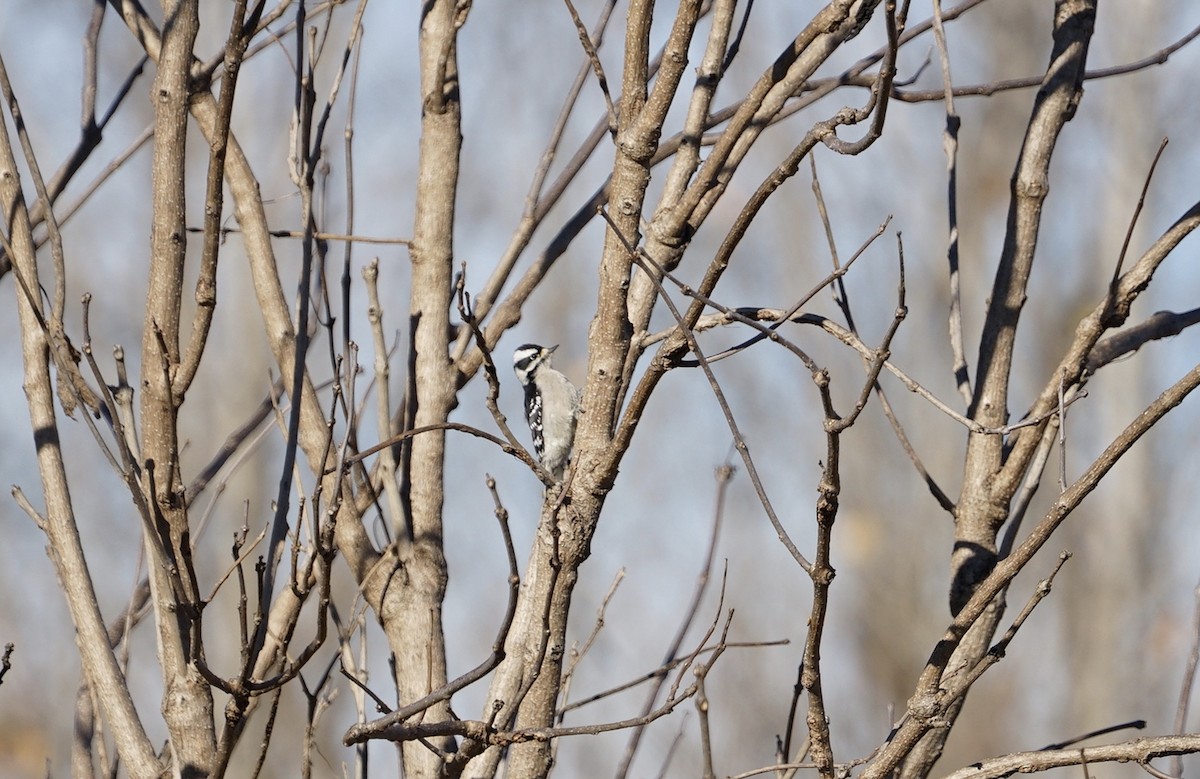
column 551, row 406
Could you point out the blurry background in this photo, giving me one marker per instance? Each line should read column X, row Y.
column 1108, row 646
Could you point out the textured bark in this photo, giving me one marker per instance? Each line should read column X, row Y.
column 404, row 583
column 984, row 503
column 413, row 616
column 982, row 509
column 537, row 641
column 543, row 656
column 187, row 699
column 100, row 667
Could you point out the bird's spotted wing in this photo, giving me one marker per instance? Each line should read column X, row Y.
column 533, row 415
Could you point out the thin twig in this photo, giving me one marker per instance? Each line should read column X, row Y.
column 493, row 379
column 578, row 653
column 383, row 399
column 793, row 708
column 754, row 317
column 1029, row 488
column 484, row 733
column 24, row 504
column 518, row 451
column 233, row 443
column 841, row 297
column 1062, row 438
column 724, row 474
column 673, row 749
column 962, row 376
column 960, row 685
column 1189, row 681
column 1137, row 724
column 1133, row 219
column 702, row 706
column 128, row 468
column 318, row 235
column 834, row 278
column 539, row 201
column 1159, row 57
column 766, row 769
column 879, row 354
column 244, row 554
column 881, row 90
column 214, row 200
column 6, row 660
column 597, row 66
column 91, row 134
column 655, row 272
column 386, row 726
column 662, row 671
column 822, row 573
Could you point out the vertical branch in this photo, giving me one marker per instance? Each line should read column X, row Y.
column 642, row 293
column 72, row 388
column 91, row 53
column 214, row 200
column 565, row 543
column 594, row 58
column 641, row 118
column 950, row 143
column 303, row 176
column 822, row 574
column 416, row 635
column 983, row 508
column 348, row 248
column 280, row 332
column 313, row 435
column 981, row 513
column 708, row 76
column 187, row 702
column 100, row 664
column 383, row 394
column 610, row 331
column 702, row 706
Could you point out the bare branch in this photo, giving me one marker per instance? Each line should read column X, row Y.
column 1137, row 211
column 1159, row 57
column 100, row 666
column 1140, row 751
column 578, row 653
column 483, row 733
column 394, row 724
column 1188, row 682
column 950, row 144
column 214, row 203
column 655, row 271
column 928, row 705
column 597, row 67
column 1160, row 324
column 723, row 475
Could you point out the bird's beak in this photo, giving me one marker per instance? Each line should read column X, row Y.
column 550, row 349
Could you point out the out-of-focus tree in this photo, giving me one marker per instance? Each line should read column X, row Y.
column 259, row 366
